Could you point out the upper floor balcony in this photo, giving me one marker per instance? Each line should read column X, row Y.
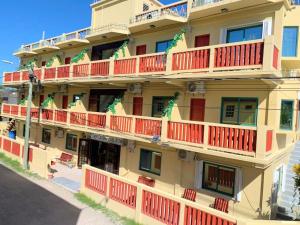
column 233, row 141
column 107, row 31
column 167, row 15
column 202, row 8
column 259, row 58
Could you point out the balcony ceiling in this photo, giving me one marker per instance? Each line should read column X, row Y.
column 162, row 21
column 227, row 5
column 71, row 43
column 23, row 53
column 45, row 49
column 104, row 34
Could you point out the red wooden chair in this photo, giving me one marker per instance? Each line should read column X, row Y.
column 147, row 181
column 189, row 194
column 221, row 204
column 65, row 159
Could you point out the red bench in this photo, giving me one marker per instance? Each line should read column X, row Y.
column 221, row 204
column 190, row 194
column 65, row 159
column 147, row 181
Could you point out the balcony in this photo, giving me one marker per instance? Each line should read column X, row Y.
column 203, row 8
column 259, row 58
column 25, row 50
column 202, row 137
column 168, row 15
column 107, row 31
column 75, row 38
column 45, row 46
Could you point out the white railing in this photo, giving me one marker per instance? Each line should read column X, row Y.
column 107, row 28
column 197, row 3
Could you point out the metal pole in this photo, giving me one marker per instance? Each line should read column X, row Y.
column 28, row 120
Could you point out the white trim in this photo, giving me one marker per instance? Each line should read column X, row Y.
column 267, row 27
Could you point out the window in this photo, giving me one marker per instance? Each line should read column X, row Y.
column 162, row 45
column 219, row 178
column 43, row 63
column 76, row 98
column 150, row 161
column 71, row 142
column 296, row 2
column 240, row 111
column 46, row 136
column 159, row 104
column 141, row 49
column 145, row 7
column 202, row 40
column 68, row 60
column 286, row 116
column 244, row 33
column 65, row 101
column 290, row 41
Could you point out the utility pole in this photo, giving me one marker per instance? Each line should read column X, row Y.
column 28, row 119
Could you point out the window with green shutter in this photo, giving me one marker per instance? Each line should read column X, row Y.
column 286, row 115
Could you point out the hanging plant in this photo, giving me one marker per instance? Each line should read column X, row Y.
column 79, row 56
column 28, row 65
column 47, row 101
column 51, row 60
column 23, row 101
column 177, row 37
column 122, row 48
column 168, row 110
column 112, row 107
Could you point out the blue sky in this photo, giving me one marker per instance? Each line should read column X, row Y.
column 24, row 22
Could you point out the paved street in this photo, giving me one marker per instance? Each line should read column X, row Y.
column 25, row 203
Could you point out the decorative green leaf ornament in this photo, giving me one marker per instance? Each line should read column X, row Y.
column 51, row 61
column 47, row 101
column 79, row 56
column 177, row 37
column 112, row 107
column 168, row 110
column 29, row 65
column 23, row 101
column 122, row 48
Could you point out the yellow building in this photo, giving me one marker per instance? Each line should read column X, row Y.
column 155, row 103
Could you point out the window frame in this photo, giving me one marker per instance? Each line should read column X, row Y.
column 150, row 170
column 153, row 105
column 244, row 28
column 159, row 42
column 297, row 42
column 216, row 189
column 43, row 131
column 238, row 113
column 292, row 114
column 67, row 147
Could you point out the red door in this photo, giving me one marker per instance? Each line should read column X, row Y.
column 197, row 109
column 202, row 40
column 137, row 106
column 141, row 50
column 67, row 60
column 42, row 98
column 65, row 102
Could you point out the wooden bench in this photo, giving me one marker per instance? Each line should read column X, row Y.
column 189, row 194
column 147, row 181
column 221, row 204
column 66, row 159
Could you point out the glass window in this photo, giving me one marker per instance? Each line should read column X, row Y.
column 163, row 45
column 150, row 161
column 244, row 34
column 286, row 116
column 71, row 142
column 219, row 178
column 46, row 136
column 241, row 111
column 290, row 41
column 159, row 104
column 296, row 2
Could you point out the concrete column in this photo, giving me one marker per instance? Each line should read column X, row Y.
column 111, row 66
column 139, row 199
column 211, row 59
column 261, row 142
column 164, row 130
column 169, row 58
column 268, row 53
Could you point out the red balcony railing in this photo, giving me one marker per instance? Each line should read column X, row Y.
column 8, row 77
column 47, row 114
column 96, row 182
column 50, row 73
column 25, row 76
column 121, row 124
column 96, row 120
column 14, row 110
column 125, row 66
column 153, row 63
column 61, row 116
column 63, row 72
column 148, row 127
column 78, row 118
column 81, row 70
column 16, row 76
column 186, row 132
column 100, row 68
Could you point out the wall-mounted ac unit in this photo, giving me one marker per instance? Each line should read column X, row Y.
column 196, row 87
column 185, row 155
column 63, row 88
column 135, row 88
column 59, row 133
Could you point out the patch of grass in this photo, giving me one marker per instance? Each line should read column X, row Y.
column 16, row 166
column 114, row 216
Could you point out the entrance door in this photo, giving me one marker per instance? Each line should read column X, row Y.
column 83, row 152
column 197, row 109
column 137, row 106
column 202, row 40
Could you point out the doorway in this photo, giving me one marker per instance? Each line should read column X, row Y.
column 197, row 112
column 105, row 156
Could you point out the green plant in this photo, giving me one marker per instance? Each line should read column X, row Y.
column 122, row 48
column 23, row 101
column 47, row 101
column 28, row 65
column 177, row 37
column 168, row 110
column 79, row 56
column 112, row 107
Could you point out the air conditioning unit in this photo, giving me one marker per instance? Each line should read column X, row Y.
column 185, row 155
column 196, row 87
column 59, row 133
column 135, row 88
column 63, row 88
